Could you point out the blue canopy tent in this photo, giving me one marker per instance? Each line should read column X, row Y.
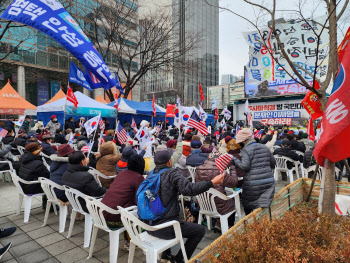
column 87, row 108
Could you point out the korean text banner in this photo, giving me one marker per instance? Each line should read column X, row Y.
column 300, row 43
column 50, row 17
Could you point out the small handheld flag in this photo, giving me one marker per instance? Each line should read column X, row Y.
column 154, row 106
column 196, row 123
column 201, row 92
column 223, row 161
column 121, row 134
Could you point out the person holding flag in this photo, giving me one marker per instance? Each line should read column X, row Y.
column 214, row 107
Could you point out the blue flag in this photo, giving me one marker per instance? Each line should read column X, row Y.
column 118, row 85
column 78, row 76
column 50, row 17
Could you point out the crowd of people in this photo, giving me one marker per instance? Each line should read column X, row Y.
column 169, row 154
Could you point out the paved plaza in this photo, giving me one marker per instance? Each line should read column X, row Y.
column 32, row 243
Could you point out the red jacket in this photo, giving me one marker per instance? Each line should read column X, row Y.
column 122, row 192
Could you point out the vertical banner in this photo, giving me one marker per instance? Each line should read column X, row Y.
column 43, row 91
column 55, row 87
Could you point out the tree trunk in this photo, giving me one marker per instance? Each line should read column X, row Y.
column 326, row 204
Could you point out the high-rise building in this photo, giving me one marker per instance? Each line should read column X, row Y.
column 37, row 65
column 200, row 64
column 228, row 79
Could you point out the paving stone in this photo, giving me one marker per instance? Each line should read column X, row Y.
column 16, row 217
column 60, row 247
column 7, row 225
column 73, row 255
column 91, row 260
column 49, row 239
column 11, row 261
column 37, row 233
column 37, row 256
column 99, row 245
column 76, row 230
column 103, row 255
column 7, row 256
column 51, row 260
column 4, row 220
column 16, row 239
column 204, row 243
column 78, row 239
column 24, row 249
column 124, row 259
column 32, row 226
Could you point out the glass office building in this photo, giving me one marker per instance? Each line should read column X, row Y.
column 201, row 63
column 36, row 65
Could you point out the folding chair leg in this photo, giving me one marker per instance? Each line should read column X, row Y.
column 224, row 224
column 27, row 207
column 276, row 175
column 209, row 222
column 131, row 252
column 63, row 217
column 113, row 246
column 87, row 230
column 54, row 209
column 290, row 176
column 48, row 207
column 183, row 250
column 20, row 201
column 182, row 205
column 200, row 218
column 93, row 240
column 302, row 170
column 151, row 256
column 238, row 207
column 71, row 224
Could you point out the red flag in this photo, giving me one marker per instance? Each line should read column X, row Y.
column 201, row 92
column 71, row 97
column 154, row 106
column 216, row 114
column 312, row 104
column 170, row 110
column 319, row 125
column 310, row 130
column 335, row 128
column 343, row 46
column 116, row 104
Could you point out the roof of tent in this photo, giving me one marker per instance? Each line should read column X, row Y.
column 86, row 107
column 12, row 103
column 140, row 107
column 59, row 95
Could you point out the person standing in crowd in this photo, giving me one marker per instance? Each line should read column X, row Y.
column 109, row 136
column 59, row 138
column 70, row 124
column 196, row 158
column 59, row 165
column 26, row 124
column 172, row 183
column 9, row 124
column 107, row 162
column 78, row 177
column 53, row 125
column 256, row 163
column 223, row 142
column 79, row 123
column 234, row 149
column 122, row 192
column 148, row 154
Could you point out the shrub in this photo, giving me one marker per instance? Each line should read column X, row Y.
column 301, row 235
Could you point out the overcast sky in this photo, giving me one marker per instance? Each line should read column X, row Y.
column 233, row 49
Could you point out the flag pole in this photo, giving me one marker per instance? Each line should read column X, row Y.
column 65, row 104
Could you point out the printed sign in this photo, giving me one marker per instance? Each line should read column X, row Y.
column 43, row 92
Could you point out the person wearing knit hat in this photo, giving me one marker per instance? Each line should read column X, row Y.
column 171, row 144
column 227, row 139
column 31, row 168
column 59, row 165
column 257, row 163
column 234, row 149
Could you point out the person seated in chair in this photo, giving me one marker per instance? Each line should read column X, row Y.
column 21, row 139
column 59, row 138
column 47, row 147
column 3, row 153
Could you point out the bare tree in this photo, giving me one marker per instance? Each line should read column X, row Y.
column 134, row 45
column 334, row 10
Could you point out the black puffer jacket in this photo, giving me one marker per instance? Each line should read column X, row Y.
column 20, row 141
column 78, row 177
column 58, row 167
column 172, row 183
column 309, row 158
column 196, row 158
column 258, row 181
column 32, row 167
column 287, row 152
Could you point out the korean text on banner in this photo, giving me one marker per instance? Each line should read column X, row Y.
column 50, row 17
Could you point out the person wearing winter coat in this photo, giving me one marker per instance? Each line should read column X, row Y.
column 107, row 162
column 287, row 151
column 257, row 163
column 78, row 177
column 307, row 142
column 222, row 144
column 234, row 149
column 122, row 164
column 272, row 140
column 53, row 125
column 9, row 137
column 196, row 158
column 3, row 152
column 208, row 171
column 172, row 183
column 207, row 146
column 31, row 168
column 122, row 191
column 59, row 138
column 26, row 125
column 186, row 144
column 59, row 165
column 21, row 139
column 295, row 145
column 69, row 124
column 109, row 136
column 9, row 124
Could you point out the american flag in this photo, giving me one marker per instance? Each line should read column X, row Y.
column 86, row 148
column 258, row 134
column 196, row 123
column 3, row 133
column 133, row 125
column 223, row 161
column 102, row 124
column 121, row 134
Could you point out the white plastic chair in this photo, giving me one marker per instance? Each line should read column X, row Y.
column 151, row 245
column 192, row 172
column 44, row 156
column 97, row 174
column 96, row 209
column 276, row 147
column 21, row 149
column 73, row 196
column 208, row 208
column 281, row 166
column 312, row 168
column 74, row 146
column 49, row 189
column 5, row 172
column 21, row 195
column 300, row 164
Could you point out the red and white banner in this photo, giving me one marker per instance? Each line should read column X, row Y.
column 71, row 97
